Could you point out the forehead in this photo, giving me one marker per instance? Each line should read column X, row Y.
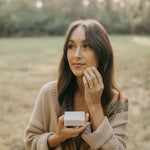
column 78, row 34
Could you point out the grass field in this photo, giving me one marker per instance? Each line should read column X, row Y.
column 28, row 63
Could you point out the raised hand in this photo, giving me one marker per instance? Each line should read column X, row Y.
column 94, row 86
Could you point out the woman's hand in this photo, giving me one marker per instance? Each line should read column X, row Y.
column 63, row 133
column 94, row 86
column 70, row 132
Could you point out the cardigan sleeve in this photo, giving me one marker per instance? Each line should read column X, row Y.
column 109, row 134
column 35, row 134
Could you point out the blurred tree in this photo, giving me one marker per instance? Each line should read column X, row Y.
column 108, row 5
column 40, row 17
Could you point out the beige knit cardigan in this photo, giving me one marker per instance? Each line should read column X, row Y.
column 109, row 135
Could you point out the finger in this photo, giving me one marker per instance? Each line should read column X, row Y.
column 84, row 127
column 97, row 74
column 88, row 78
column 93, row 76
column 86, row 117
column 61, row 120
column 85, row 82
column 75, row 131
column 79, row 129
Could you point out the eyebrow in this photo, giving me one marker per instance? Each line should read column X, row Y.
column 82, row 41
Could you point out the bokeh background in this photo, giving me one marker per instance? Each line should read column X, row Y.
column 32, row 33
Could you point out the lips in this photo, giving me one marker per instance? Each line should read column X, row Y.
column 78, row 64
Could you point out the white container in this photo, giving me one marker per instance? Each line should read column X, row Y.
column 74, row 118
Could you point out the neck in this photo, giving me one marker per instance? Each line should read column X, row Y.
column 80, row 86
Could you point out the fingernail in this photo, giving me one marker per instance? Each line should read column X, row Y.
column 83, row 79
column 88, row 123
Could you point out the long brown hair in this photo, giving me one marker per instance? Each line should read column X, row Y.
column 98, row 40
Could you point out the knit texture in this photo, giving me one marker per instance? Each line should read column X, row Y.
column 109, row 135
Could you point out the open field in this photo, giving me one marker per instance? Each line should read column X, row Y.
column 28, row 63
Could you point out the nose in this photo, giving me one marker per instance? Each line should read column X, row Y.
column 78, row 52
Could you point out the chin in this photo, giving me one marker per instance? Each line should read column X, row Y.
column 78, row 73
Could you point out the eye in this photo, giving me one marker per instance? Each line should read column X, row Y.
column 70, row 46
column 86, row 46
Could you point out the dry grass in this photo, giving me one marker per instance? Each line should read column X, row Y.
column 28, row 63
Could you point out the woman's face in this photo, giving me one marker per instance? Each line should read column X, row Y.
column 80, row 55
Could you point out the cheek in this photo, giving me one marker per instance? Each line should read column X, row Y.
column 92, row 63
column 69, row 58
column 92, row 60
column 95, row 57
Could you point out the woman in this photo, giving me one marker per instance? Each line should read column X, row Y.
column 85, row 83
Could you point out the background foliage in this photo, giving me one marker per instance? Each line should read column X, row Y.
column 52, row 17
